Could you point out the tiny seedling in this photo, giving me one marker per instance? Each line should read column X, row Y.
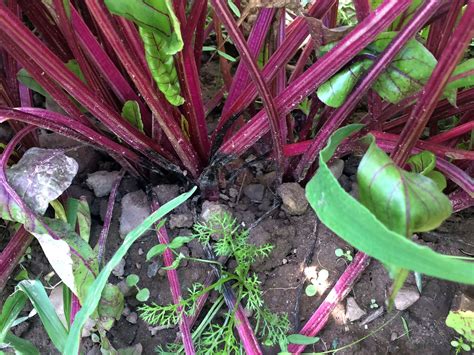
column 213, row 335
column 373, row 304
column 319, row 284
column 143, row 293
column 459, row 345
column 344, row 254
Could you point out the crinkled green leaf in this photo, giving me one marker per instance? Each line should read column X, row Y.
column 462, row 321
column 35, row 291
column 95, row 291
column 156, row 16
column 358, row 226
column 466, row 68
column 41, row 176
column 404, row 76
column 405, row 202
column 161, row 34
column 161, row 66
column 131, row 112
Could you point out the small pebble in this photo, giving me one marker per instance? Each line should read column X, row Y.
column 132, row 318
column 119, row 270
column 284, row 261
column 140, row 251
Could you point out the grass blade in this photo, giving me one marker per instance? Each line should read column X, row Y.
column 35, row 291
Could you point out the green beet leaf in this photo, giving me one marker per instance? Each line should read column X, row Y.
column 404, row 76
column 156, row 16
column 405, row 202
column 131, row 112
column 358, row 226
column 161, row 66
column 335, row 91
column 424, row 164
column 463, row 76
column 161, row 35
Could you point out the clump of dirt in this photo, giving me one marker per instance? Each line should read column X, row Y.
column 304, row 252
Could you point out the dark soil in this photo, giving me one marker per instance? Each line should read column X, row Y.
column 302, row 246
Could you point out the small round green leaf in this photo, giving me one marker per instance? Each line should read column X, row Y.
column 339, row 252
column 311, row 290
column 143, row 295
column 132, row 280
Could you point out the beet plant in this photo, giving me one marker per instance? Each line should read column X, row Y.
column 123, row 76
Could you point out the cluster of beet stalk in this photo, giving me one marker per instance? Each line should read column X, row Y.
column 110, row 55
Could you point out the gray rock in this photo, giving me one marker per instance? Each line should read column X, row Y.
column 254, row 192
column 152, row 269
column 102, row 182
column 119, row 270
column 210, row 208
column 406, row 297
column 336, row 166
column 233, row 192
column 353, row 311
column 294, row 199
column 181, row 220
column 126, row 290
column 135, row 209
column 132, row 318
column 166, row 192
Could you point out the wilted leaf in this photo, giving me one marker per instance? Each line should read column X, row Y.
column 41, row 176
column 71, row 257
column 111, row 305
column 131, row 112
